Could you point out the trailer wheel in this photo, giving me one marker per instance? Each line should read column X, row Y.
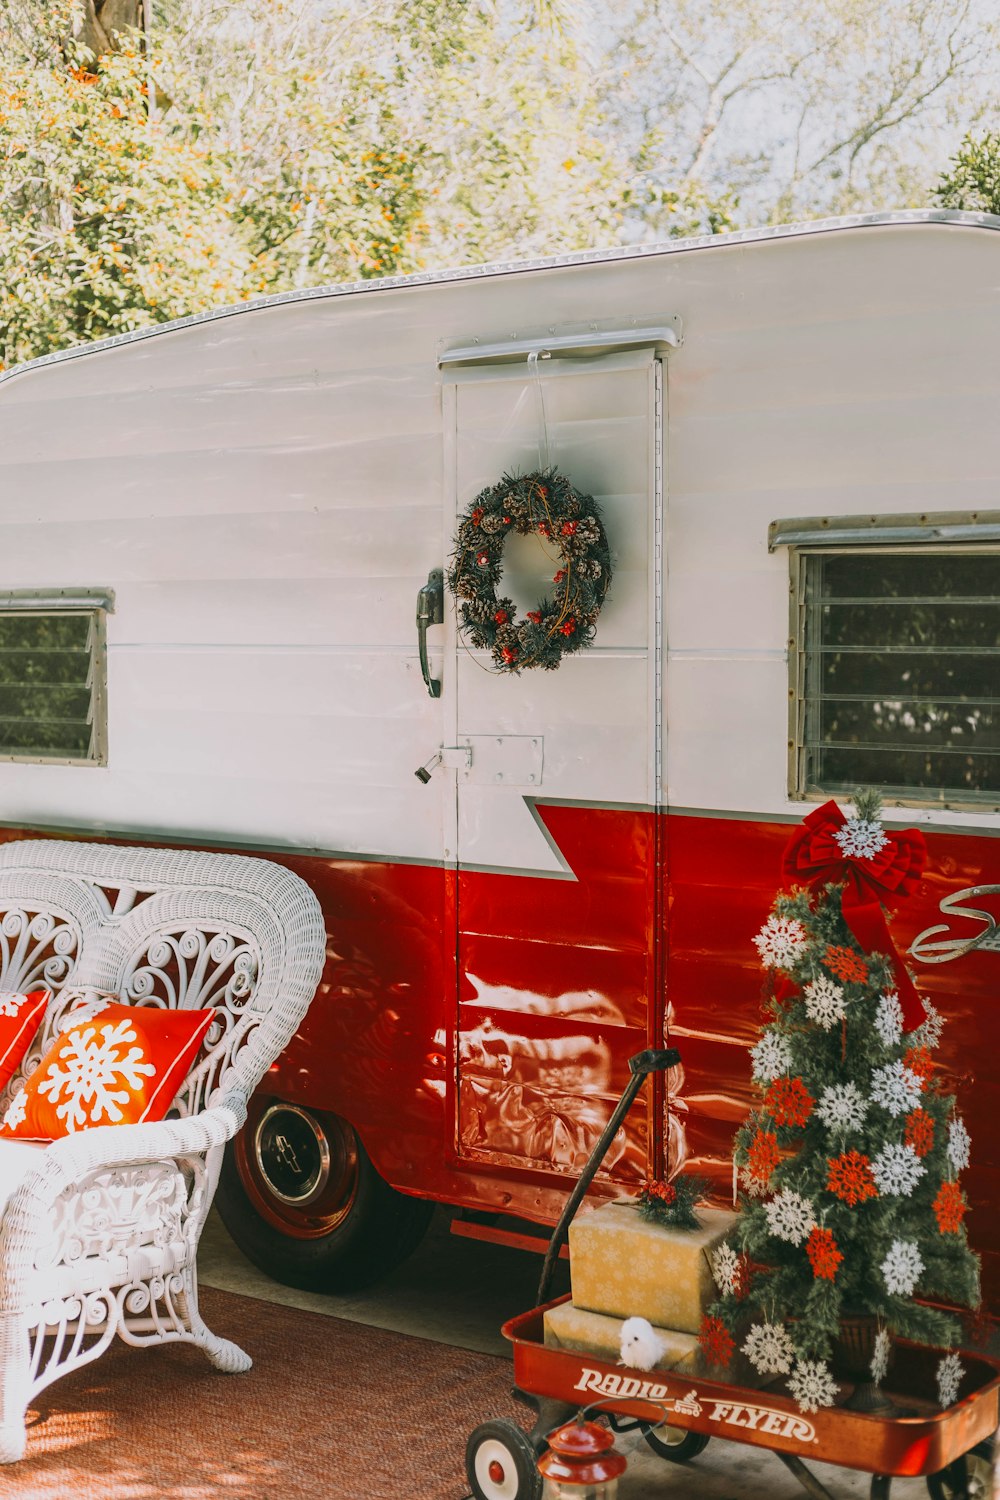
column 676, row 1444
column 968, row 1478
column 500, row 1463
column 300, row 1197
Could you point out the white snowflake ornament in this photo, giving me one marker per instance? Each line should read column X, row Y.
column 812, row 1385
column 842, row 1107
column 771, row 1057
column 780, row 942
column 949, row 1378
column 824, row 1002
column 928, row 1033
column 10, row 1003
column 725, row 1265
column 902, row 1267
column 880, row 1355
column 769, row 1349
column 751, row 1185
column 889, row 1019
column 959, row 1142
column 897, row 1088
column 95, row 1072
column 897, row 1170
column 861, row 838
column 790, row 1217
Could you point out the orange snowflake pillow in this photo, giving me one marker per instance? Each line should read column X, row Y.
column 112, row 1065
column 20, row 1018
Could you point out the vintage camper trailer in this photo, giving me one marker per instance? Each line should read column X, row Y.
column 220, row 555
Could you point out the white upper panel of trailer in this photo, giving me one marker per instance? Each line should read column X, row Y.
column 264, row 488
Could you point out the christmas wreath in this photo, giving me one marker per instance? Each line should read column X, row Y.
column 547, row 504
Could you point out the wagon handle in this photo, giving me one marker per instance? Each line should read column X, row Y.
column 653, row 1060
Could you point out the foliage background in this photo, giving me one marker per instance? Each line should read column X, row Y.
column 239, row 147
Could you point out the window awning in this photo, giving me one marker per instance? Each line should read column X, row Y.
column 886, row 530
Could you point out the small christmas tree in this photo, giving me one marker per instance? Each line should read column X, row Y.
column 849, row 1166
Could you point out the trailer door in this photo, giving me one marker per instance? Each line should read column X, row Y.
column 557, row 778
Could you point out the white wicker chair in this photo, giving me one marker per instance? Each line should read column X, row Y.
column 99, row 1232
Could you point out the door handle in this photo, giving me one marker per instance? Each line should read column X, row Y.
column 430, row 611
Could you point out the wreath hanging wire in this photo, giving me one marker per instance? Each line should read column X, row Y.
column 543, row 502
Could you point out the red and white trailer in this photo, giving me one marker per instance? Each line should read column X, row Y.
column 213, row 537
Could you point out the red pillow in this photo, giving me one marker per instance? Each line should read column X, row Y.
column 117, row 1065
column 20, row 1018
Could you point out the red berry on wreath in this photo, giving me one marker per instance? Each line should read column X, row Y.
column 477, row 515
column 558, row 578
column 506, row 520
column 501, row 617
column 569, row 528
column 544, row 529
column 568, row 626
column 483, row 558
column 535, row 616
column 509, row 653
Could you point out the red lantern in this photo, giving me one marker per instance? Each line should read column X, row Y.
column 581, row 1463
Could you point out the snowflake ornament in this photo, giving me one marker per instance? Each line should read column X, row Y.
column 959, row 1142
column 16, row 1109
column 902, row 1267
column 824, row 1002
column 842, row 1106
column 880, row 1356
column 753, row 1186
column 790, row 1217
column 769, row 1349
column 949, row 1378
column 861, row 838
column 780, row 942
column 812, row 1385
column 725, row 1265
column 897, row 1170
column 928, row 1033
column 889, row 1019
column 101, row 1071
column 772, row 1058
column 10, row 1003
column 897, row 1088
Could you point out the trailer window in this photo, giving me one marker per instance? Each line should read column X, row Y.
column 897, row 674
column 52, row 682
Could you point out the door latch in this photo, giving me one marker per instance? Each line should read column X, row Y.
column 430, row 611
column 452, row 757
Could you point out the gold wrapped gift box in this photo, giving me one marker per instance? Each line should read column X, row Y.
column 623, row 1266
column 569, row 1327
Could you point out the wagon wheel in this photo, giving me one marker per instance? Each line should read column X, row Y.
column 676, row 1444
column 500, row 1463
column 968, row 1478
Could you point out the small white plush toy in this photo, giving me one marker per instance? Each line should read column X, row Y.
column 641, row 1345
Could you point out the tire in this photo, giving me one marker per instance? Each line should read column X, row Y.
column 500, row 1463
column 676, row 1444
column 299, row 1195
column 971, row 1476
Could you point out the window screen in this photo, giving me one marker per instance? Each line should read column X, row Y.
column 899, row 674
column 52, row 685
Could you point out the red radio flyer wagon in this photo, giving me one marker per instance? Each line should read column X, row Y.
column 678, row 1412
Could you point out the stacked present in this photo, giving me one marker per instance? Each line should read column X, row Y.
column 622, row 1265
